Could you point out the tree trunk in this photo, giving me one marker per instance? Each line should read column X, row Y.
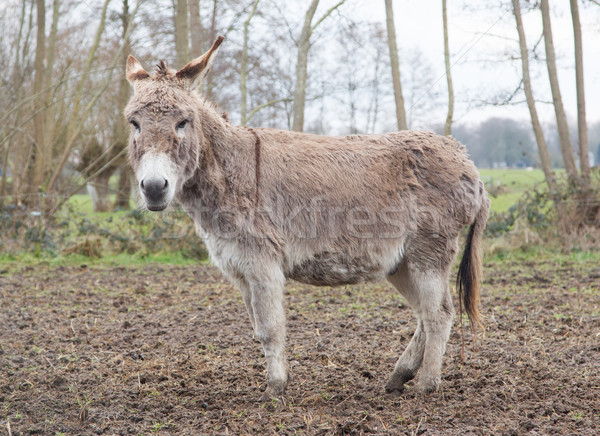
column 584, row 149
column 448, row 124
column 208, row 83
column 561, row 117
column 49, row 115
column 302, row 61
column 302, row 68
column 244, row 68
column 124, row 188
column 182, row 46
column 20, row 154
column 399, row 98
column 99, row 192
column 39, row 153
column 196, row 31
column 535, row 122
column 121, row 129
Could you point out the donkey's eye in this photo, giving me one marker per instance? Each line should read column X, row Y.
column 182, row 124
column 135, row 124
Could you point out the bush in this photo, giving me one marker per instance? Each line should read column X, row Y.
column 94, row 235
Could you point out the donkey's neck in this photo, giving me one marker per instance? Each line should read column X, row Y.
column 226, row 174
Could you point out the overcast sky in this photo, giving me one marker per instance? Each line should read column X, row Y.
column 482, row 43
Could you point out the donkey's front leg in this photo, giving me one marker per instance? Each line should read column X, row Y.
column 269, row 326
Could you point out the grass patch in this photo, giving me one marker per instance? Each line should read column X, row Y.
column 537, row 253
column 506, row 186
column 11, row 261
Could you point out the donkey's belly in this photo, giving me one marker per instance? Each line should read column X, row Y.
column 333, row 269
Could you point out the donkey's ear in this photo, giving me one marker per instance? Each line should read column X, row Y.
column 195, row 72
column 135, row 71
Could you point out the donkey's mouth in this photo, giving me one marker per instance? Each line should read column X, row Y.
column 155, row 207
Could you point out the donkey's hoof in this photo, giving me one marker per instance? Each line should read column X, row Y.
column 394, row 390
column 267, row 398
column 397, row 380
column 274, row 391
column 394, row 386
column 428, row 386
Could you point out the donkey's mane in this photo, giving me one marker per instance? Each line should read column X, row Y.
column 162, row 68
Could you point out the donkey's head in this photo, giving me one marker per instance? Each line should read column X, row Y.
column 165, row 142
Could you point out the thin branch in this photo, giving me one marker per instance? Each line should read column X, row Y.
column 267, row 104
column 287, row 24
column 325, row 15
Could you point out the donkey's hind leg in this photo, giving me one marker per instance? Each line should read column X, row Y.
column 428, row 294
column 408, row 364
column 410, row 361
column 436, row 312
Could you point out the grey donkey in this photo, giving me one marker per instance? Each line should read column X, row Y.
column 273, row 205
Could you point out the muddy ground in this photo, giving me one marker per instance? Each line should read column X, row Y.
column 161, row 349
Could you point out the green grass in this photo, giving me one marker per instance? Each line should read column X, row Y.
column 82, row 203
column 506, row 186
column 537, row 253
column 10, row 261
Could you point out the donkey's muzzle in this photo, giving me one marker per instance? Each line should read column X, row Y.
column 155, row 193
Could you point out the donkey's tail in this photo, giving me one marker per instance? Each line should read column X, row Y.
column 470, row 269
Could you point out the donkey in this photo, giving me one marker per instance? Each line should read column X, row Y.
column 273, row 205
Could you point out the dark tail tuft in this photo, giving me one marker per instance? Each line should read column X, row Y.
column 470, row 270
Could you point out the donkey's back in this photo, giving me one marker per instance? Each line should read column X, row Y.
column 356, row 206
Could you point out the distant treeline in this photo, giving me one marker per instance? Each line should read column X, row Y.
column 499, row 142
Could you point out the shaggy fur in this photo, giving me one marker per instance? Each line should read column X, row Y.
column 317, row 209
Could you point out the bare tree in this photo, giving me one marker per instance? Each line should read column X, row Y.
column 76, row 123
column 561, row 117
column 535, row 121
column 584, row 161
column 75, row 126
column 448, row 124
column 302, row 60
column 399, row 99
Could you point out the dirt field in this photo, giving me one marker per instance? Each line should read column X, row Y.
column 161, row 349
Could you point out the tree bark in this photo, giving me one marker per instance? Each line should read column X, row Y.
column 302, row 68
column 182, row 46
column 582, row 131
column 398, row 97
column 39, row 152
column 196, row 31
column 302, row 61
column 561, row 117
column 20, row 154
column 244, row 67
column 121, row 130
column 535, row 121
column 49, row 116
column 208, row 84
column 450, row 115
column 99, row 192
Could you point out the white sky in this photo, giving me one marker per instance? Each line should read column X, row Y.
column 482, row 43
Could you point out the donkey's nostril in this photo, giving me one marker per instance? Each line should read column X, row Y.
column 154, row 190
